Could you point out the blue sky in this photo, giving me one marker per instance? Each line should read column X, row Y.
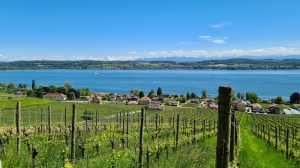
column 118, row 30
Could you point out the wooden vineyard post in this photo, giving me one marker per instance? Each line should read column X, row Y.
column 232, row 137
column 73, row 134
column 204, row 128
column 42, row 120
column 287, row 143
column 49, row 121
column 194, row 132
column 18, row 120
column 86, row 120
column 177, row 131
column 127, row 127
column 224, row 128
column 123, row 126
column 276, row 138
column 141, row 139
column 96, row 121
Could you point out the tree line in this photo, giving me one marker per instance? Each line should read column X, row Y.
column 228, row 64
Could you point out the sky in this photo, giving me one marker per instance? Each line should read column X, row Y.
column 125, row 30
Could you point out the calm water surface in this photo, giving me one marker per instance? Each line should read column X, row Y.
column 266, row 83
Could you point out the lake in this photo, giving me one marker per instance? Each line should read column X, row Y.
column 266, row 84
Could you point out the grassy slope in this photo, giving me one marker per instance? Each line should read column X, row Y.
column 255, row 152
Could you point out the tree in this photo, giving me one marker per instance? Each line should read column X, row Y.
column 30, row 93
column 193, row 95
column 33, row 87
column 159, row 91
column 151, row 92
column 251, row 96
column 294, row 98
column 46, row 89
column 279, row 100
column 71, row 95
column 239, row 95
column 3, row 86
column 204, row 94
column 188, row 96
column 53, row 88
column 141, row 94
column 68, row 85
column 39, row 92
column 62, row 90
column 11, row 85
column 77, row 94
column 24, row 85
column 183, row 99
column 20, row 86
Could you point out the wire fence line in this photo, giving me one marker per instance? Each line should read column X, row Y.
column 60, row 117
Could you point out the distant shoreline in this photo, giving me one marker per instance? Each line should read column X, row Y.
column 227, row 64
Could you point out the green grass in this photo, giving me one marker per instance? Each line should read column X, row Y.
column 33, row 109
column 190, row 105
column 266, row 105
column 255, row 152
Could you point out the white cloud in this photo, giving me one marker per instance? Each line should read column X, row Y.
column 132, row 52
column 218, row 41
column 220, row 25
column 205, row 37
column 215, row 40
column 235, row 52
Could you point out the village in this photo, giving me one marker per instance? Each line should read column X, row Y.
column 159, row 102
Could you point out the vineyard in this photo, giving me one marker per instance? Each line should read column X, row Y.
column 114, row 141
column 181, row 137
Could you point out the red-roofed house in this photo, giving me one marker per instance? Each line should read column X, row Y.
column 55, row 96
column 256, row 107
column 144, row 100
column 154, row 106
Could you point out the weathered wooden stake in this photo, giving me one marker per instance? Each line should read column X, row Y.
column 18, row 127
column 141, row 139
column 232, row 137
column 287, row 143
column 73, row 134
column 49, row 121
column 224, row 128
column 97, row 115
column 177, row 132
column 86, row 120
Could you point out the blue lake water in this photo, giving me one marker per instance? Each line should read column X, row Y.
column 266, row 83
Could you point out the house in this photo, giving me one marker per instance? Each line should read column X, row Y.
column 296, row 106
column 273, row 109
column 239, row 105
column 144, row 100
column 213, row 106
column 157, row 99
column 55, row 96
column 256, row 108
column 194, row 101
column 173, row 103
column 175, row 96
column 165, row 95
column 113, row 97
column 19, row 93
column 154, row 106
column 209, row 101
column 132, row 103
